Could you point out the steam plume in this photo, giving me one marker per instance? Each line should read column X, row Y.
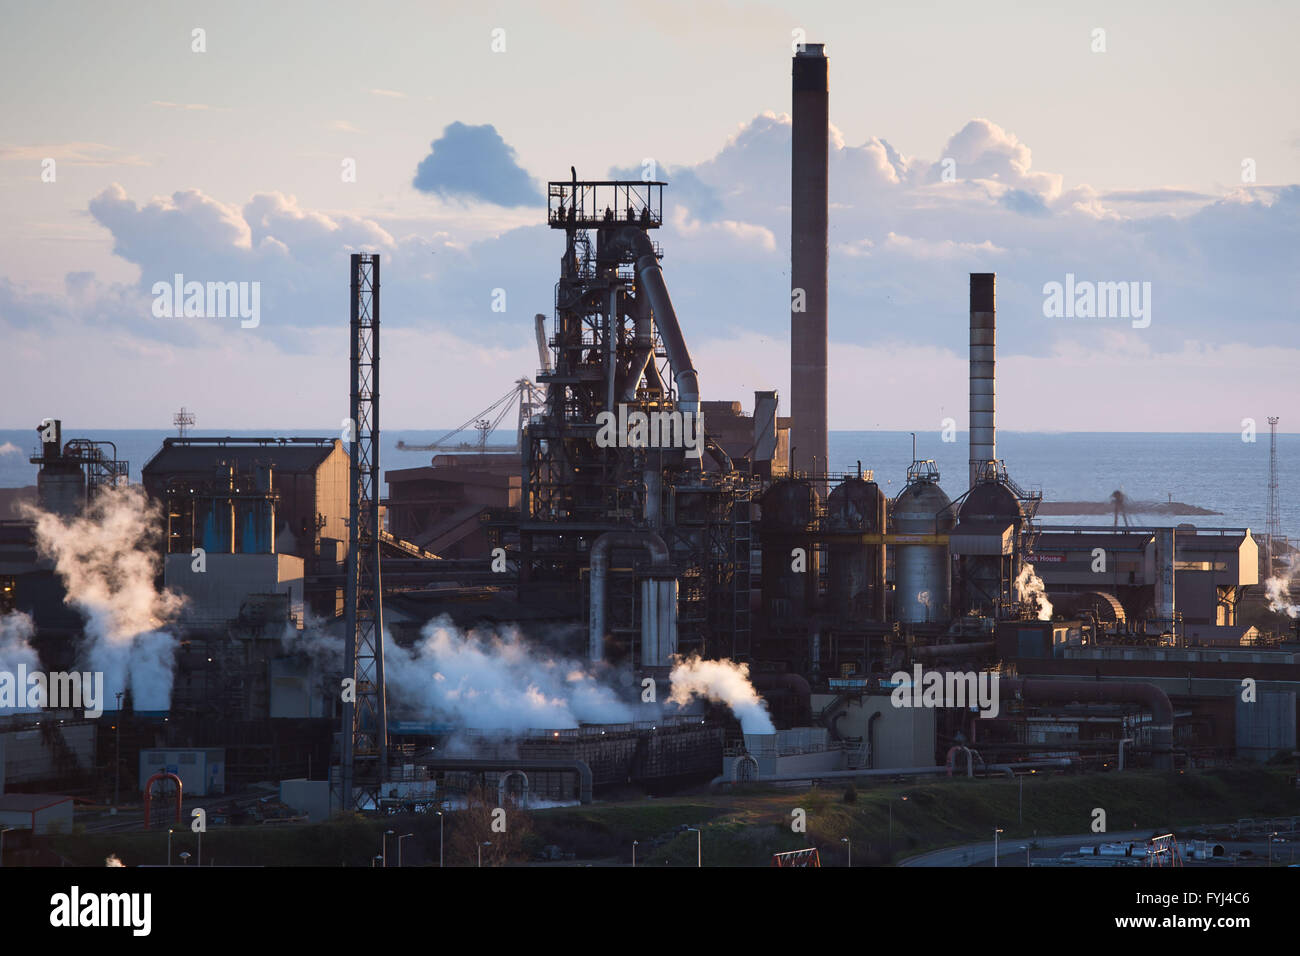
column 1030, row 587
column 108, row 564
column 723, row 682
column 493, row 680
column 16, row 631
column 497, row 681
column 1278, row 591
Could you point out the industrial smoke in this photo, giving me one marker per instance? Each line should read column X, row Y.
column 497, row 680
column 108, row 562
column 494, row 680
column 1278, row 591
column 16, row 652
column 723, row 682
column 1030, row 587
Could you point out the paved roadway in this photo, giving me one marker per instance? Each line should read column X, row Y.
column 981, row 854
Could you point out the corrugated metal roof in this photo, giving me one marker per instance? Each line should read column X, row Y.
column 1086, row 541
column 299, row 457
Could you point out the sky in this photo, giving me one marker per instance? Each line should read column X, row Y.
column 262, row 143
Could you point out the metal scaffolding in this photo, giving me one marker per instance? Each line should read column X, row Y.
column 365, row 729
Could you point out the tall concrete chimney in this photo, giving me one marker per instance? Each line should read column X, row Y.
column 983, row 372
column 809, row 168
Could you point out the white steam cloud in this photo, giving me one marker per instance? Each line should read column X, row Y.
column 1030, row 587
column 723, row 682
column 108, row 565
column 16, row 632
column 490, row 680
column 497, row 681
column 1278, row 591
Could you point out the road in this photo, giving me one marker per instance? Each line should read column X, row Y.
column 981, row 854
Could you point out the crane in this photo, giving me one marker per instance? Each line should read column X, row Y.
column 527, row 396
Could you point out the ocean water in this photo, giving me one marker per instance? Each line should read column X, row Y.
column 1216, row 471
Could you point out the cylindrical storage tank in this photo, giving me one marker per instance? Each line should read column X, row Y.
column 789, row 510
column 856, row 569
column 922, row 570
column 217, row 519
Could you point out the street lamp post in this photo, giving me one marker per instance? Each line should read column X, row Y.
column 699, row 850
column 635, row 844
column 199, row 860
column 850, row 843
column 891, row 820
column 3, row 831
column 480, row 852
column 170, row 831
column 441, row 818
column 387, row 834
column 995, row 845
column 1022, row 800
column 399, row 848
column 1270, row 847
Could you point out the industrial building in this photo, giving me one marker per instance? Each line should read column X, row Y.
column 712, row 532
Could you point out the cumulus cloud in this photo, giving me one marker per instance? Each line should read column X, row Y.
column 475, row 163
column 902, row 242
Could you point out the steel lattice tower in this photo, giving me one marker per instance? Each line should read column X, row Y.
column 365, row 725
column 1273, row 523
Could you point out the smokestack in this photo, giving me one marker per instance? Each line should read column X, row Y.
column 808, row 243
column 983, row 372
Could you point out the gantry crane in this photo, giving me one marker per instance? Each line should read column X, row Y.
column 529, row 398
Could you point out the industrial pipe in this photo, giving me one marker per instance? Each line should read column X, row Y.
column 1132, row 692
column 643, row 341
column 970, row 760
column 600, row 570
column 940, row 650
column 490, row 763
column 651, row 277
column 838, row 775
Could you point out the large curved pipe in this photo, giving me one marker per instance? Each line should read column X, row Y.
column 1132, row 692
column 148, row 795
column 651, row 277
column 970, row 760
column 717, row 454
column 600, row 571
column 645, row 351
